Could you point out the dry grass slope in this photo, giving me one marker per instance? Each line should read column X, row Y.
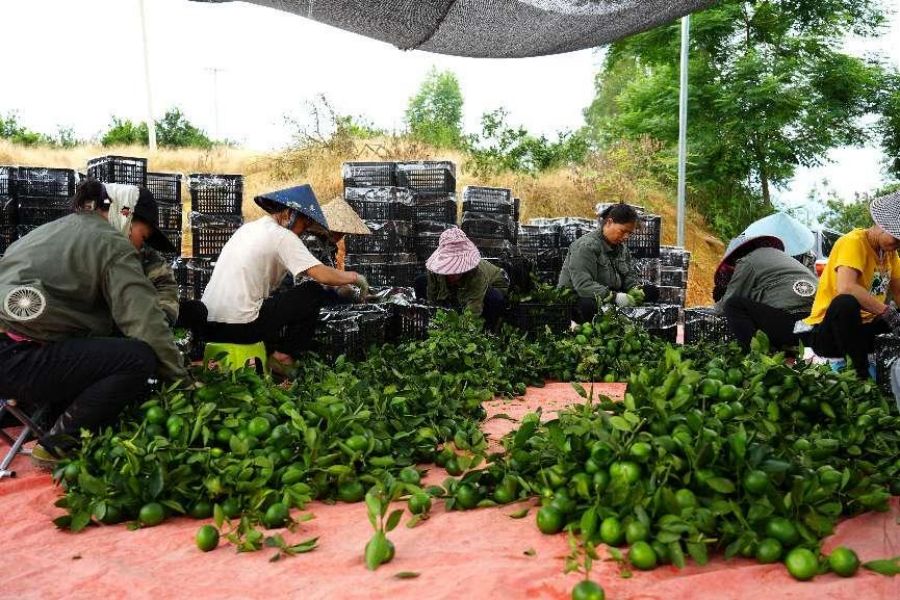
column 616, row 175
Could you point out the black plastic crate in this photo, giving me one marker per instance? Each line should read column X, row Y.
column 166, row 187
column 440, row 209
column 671, row 295
column 9, row 211
column 212, row 193
column 118, row 169
column 23, row 230
column 381, row 210
column 388, row 237
column 538, row 237
column 436, row 227
column 704, row 325
column 534, row 317
column 351, row 330
column 644, row 241
column 428, row 176
column 672, row 277
column 425, row 243
column 494, row 248
column 174, row 236
column 169, row 215
column 550, row 277
column 488, row 195
column 207, row 242
column 648, row 270
column 38, row 211
column 368, row 259
column 546, row 260
column 485, row 226
column 369, row 174
column 601, row 206
column 8, row 234
column 43, row 182
column 674, row 256
column 667, row 334
column 7, row 181
column 411, row 321
column 195, row 275
column 652, row 316
column 887, row 351
column 393, row 274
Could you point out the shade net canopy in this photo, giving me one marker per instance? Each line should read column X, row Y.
column 490, row 28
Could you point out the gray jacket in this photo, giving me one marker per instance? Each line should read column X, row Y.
column 771, row 277
column 594, row 267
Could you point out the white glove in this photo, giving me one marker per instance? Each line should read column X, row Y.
column 623, row 299
column 363, row 285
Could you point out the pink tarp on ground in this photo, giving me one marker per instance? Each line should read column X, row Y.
column 473, row 554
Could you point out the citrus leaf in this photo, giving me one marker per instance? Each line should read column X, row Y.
column 393, row 520
column 886, row 566
column 721, row 485
column 406, row 575
column 519, row 514
column 530, row 552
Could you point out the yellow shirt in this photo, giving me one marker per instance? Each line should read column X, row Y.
column 853, row 250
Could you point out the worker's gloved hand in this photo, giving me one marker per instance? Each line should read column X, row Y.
column 347, row 292
column 623, row 299
column 892, row 318
column 363, row 285
column 637, row 295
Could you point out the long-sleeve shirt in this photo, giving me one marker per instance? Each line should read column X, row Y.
column 469, row 291
column 159, row 272
column 93, row 282
column 594, row 267
column 771, row 277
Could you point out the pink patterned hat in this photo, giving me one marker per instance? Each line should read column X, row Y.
column 455, row 254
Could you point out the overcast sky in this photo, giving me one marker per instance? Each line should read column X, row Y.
column 78, row 62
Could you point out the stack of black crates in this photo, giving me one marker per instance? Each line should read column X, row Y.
column 166, row 189
column 490, row 218
column 406, row 205
column 8, row 208
column 216, row 213
column 669, row 272
column 545, row 243
column 39, row 195
column 705, row 325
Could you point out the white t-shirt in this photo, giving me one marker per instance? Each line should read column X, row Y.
column 253, row 263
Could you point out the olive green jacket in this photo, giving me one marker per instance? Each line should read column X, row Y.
column 159, row 272
column 470, row 290
column 769, row 276
column 93, row 283
column 593, row 267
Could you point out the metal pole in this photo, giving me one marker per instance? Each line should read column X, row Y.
column 151, row 123
column 215, row 73
column 682, row 124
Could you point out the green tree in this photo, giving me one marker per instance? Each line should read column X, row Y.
column 770, row 90
column 434, row 114
column 11, row 129
column 174, row 130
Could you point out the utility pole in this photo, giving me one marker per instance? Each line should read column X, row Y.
column 215, row 73
column 682, row 125
column 151, row 122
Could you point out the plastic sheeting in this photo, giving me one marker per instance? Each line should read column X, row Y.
column 472, row 554
column 491, row 28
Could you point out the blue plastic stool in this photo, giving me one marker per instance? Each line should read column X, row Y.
column 235, row 356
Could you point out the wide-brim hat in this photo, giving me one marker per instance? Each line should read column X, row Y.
column 737, row 249
column 301, row 198
column 343, row 219
column 796, row 237
column 885, row 211
column 147, row 211
column 455, row 254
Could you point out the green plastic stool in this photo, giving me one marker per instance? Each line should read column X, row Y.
column 236, row 356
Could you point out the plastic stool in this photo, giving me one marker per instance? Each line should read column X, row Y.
column 29, row 429
column 235, row 356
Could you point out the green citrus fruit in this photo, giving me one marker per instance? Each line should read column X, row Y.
column 727, row 393
column 640, row 451
column 636, row 532
column 276, row 515
column 550, row 520
column 685, row 498
column 357, row 443
column 466, row 496
column 642, row 556
column 611, row 532
column 207, row 538
column 351, row 491
column 409, row 475
column 756, row 482
column 769, row 551
column 716, row 374
column 419, row 503
column 156, row 415
column 223, row 436
column 231, row 507
column 201, row 510
column 259, row 427
column 151, row 514
column 783, row 530
column 802, row 564
column 843, row 561
column 453, row 467
column 734, row 376
column 628, row 471
column 587, row 590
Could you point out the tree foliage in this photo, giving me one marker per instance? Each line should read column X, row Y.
column 174, row 130
column 770, row 90
column 843, row 216
column 14, row 131
column 434, row 114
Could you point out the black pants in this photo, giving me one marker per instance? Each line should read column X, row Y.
column 745, row 317
column 192, row 315
column 494, row 302
column 843, row 334
column 87, row 381
column 286, row 322
column 587, row 307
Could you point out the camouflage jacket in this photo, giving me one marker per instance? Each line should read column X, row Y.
column 594, row 267
column 470, row 290
column 159, row 271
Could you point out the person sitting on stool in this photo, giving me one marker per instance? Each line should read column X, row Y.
column 252, row 265
column 759, row 287
column 599, row 266
column 851, row 307
column 458, row 278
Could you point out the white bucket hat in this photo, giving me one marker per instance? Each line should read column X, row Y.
column 885, row 212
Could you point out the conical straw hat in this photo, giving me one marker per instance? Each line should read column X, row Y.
column 342, row 219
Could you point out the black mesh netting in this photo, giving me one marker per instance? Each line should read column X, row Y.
column 491, row 28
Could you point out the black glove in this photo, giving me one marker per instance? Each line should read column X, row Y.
column 892, row 318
